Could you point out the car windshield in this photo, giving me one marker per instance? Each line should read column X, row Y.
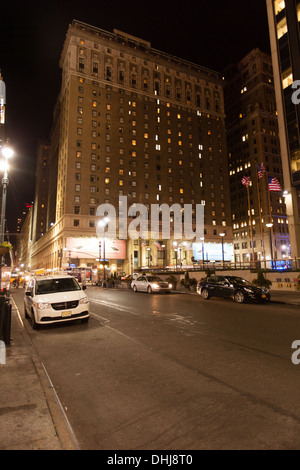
column 50, row 286
column 238, row 280
column 154, row 279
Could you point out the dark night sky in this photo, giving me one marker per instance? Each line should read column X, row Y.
column 210, row 33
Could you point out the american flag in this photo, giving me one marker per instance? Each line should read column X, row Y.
column 274, row 184
column 246, row 180
column 261, row 170
column 157, row 245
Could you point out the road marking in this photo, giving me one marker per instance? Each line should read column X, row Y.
column 114, row 306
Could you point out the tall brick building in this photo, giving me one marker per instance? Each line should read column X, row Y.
column 134, row 121
column 252, row 140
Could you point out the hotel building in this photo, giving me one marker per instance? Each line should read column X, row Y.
column 131, row 121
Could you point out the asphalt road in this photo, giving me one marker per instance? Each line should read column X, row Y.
column 175, row 372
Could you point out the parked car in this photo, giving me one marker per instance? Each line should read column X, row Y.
column 52, row 299
column 233, row 287
column 150, row 284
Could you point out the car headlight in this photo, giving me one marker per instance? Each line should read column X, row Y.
column 248, row 290
column 155, row 285
column 170, row 286
column 84, row 300
column 43, row 305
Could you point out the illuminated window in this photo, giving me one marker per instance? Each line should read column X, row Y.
column 107, row 180
column 287, row 79
column 121, row 182
column 279, row 5
column 133, row 142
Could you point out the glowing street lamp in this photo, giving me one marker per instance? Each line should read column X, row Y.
column 222, row 235
column 7, row 153
column 103, row 224
column 270, row 225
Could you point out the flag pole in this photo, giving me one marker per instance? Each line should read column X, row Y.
column 250, row 220
column 260, row 222
column 271, row 221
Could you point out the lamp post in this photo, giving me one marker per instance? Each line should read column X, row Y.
column 222, row 235
column 103, row 224
column 202, row 239
column 148, row 256
column 7, row 153
column 175, row 250
column 270, row 225
column 163, row 247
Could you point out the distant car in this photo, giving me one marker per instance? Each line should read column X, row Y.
column 150, row 284
column 52, row 299
column 232, row 287
column 130, row 277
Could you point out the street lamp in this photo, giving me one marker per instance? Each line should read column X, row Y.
column 103, row 224
column 270, row 225
column 163, row 247
column 222, row 235
column 148, row 256
column 7, row 153
column 202, row 239
column 175, row 250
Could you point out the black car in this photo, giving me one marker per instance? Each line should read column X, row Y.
column 233, row 287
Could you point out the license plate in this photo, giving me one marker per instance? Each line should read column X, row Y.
column 66, row 314
column 263, row 296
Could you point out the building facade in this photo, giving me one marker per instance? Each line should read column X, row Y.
column 254, row 153
column 284, row 20
column 135, row 122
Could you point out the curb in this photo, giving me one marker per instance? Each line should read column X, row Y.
column 59, row 419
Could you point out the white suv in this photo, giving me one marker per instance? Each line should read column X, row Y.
column 51, row 299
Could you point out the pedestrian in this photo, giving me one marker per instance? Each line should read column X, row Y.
column 83, row 278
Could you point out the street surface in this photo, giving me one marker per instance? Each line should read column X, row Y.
column 175, row 372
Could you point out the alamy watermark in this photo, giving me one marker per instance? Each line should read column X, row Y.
column 2, row 353
column 296, row 94
column 161, row 221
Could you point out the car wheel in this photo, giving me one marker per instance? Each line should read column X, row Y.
column 134, row 288
column 25, row 312
column 34, row 324
column 149, row 290
column 205, row 294
column 239, row 297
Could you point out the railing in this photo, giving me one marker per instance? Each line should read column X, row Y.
column 271, row 265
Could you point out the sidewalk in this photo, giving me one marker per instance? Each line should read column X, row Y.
column 30, row 416
column 285, row 297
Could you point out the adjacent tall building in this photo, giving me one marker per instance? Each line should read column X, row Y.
column 284, row 29
column 131, row 121
column 259, row 219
